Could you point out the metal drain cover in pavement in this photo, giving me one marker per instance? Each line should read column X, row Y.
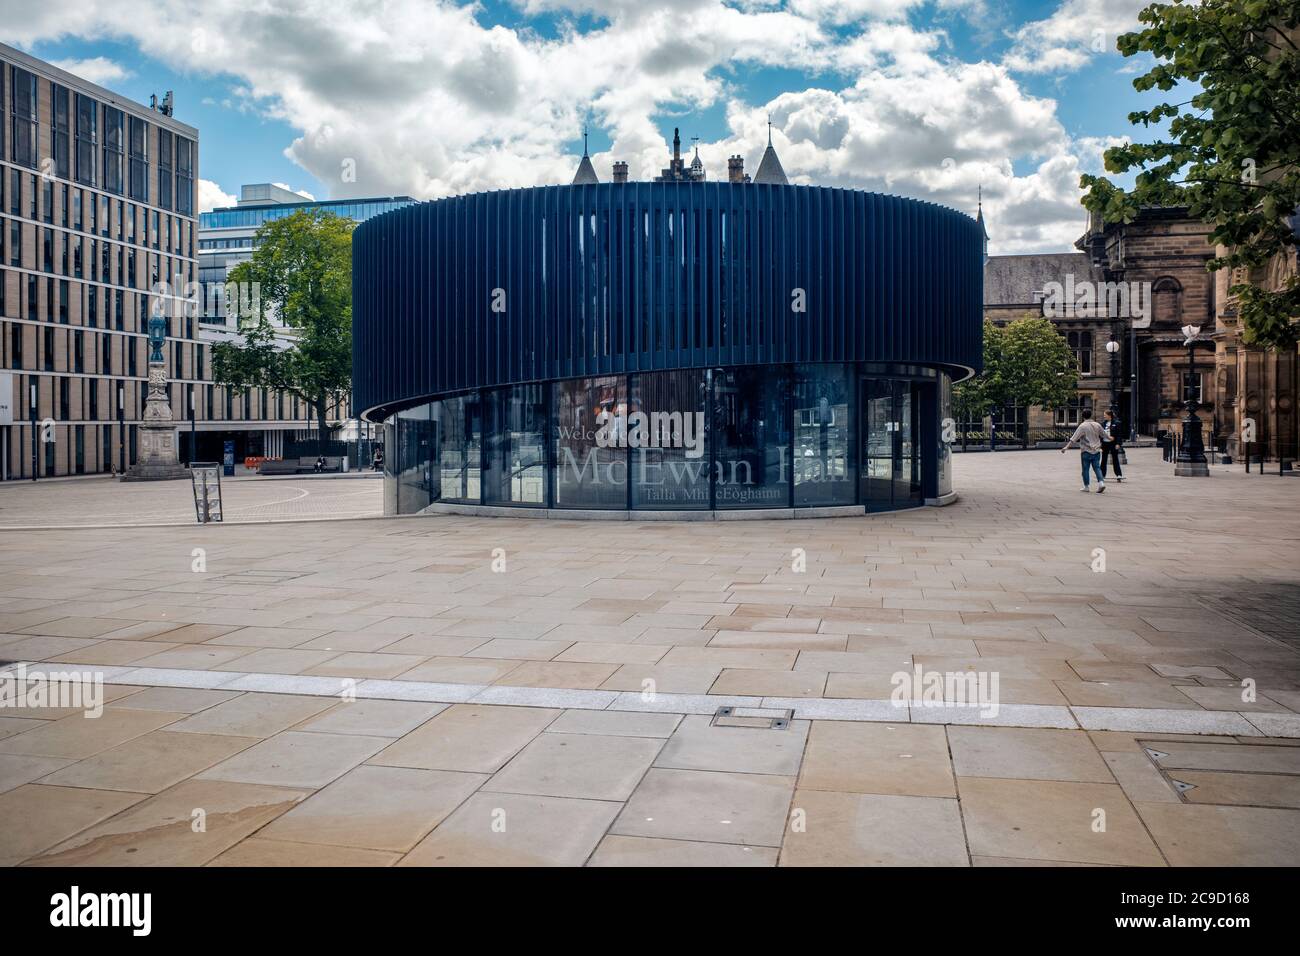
column 761, row 718
column 1213, row 773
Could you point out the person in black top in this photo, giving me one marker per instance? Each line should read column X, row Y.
column 1111, row 444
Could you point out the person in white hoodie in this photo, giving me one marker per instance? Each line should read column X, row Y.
column 1088, row 436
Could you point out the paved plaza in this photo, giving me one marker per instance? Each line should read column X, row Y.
column 102, row 500
column 449, row 690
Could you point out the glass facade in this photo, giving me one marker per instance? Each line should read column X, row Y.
column 823, row 436
column 665, row 433
column 514, row 460
column 251, row 217
column 749, row 437
column 589, row 468
column 947, row 435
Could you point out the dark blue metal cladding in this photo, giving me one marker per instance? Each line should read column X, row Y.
column 611, row 278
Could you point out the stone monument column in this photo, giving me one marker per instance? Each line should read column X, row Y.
column 158, row 459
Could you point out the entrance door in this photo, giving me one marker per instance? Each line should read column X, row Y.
column 891, row 452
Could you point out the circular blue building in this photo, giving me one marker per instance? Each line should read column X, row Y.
column 676, row 348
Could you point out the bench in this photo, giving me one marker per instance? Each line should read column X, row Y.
column 276, row 467
column 299, row 466
column 332, row 463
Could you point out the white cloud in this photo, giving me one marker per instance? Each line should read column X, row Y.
column 429, row 99
column 1077, row 31
column 211, row 196
column 99, row 69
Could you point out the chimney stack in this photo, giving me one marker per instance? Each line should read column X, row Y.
column 736, row 169
column 620, row 172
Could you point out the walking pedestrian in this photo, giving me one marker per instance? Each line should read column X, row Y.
column 1111, row 444
column 1088, row 436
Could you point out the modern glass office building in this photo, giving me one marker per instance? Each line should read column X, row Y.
column 665, row 349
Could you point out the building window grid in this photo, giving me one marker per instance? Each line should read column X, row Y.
column 23, row 116
column 87, row 141
column 60, row 128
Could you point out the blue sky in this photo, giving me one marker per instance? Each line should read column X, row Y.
column 931, row 98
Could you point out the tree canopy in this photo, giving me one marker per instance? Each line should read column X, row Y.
column 1026, row 362
column 1231, row 154
column 302, row 267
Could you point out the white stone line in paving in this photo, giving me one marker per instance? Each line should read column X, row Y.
column 1173, row 721
column 1275, row 725
column 293, row 684
column 418, row 690
column 1124, row 719
column 1007, row 715
column 680, row 703
column 841, row 708
column 546, row 697
column 168, row 677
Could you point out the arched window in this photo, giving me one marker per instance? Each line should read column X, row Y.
column 1167, row 301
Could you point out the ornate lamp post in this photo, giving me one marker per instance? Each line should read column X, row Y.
column 121, row 429
column 1113, row 348
column 1191, row 456
column 35, row 400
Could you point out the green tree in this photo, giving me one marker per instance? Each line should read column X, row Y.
column 1036, row 366
column 1233, row 157
column 978, row 396
column 1026, row 362
column 302, row 268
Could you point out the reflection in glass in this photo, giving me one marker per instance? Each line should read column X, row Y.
column 414, row 446
column 515, row 464
column 390, row 465
column 664, row 426
column 878, row 443
column 907, row 473
column 590, row 458
column 823, row 453
column 943, row 453
column 461, row 426
column 751, row 438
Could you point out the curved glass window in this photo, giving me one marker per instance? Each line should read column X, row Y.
column 664, row 429
column 590, row 453
column 459, row 447
column 748, row 437
column 416, row 479
column 947, row 430
column 751, row 438
column 823, row 436
column 514, row 464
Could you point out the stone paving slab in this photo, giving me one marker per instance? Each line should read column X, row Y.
column 374, row 693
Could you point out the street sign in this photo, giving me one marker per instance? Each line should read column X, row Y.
column 228, row 458
column 205, row 476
